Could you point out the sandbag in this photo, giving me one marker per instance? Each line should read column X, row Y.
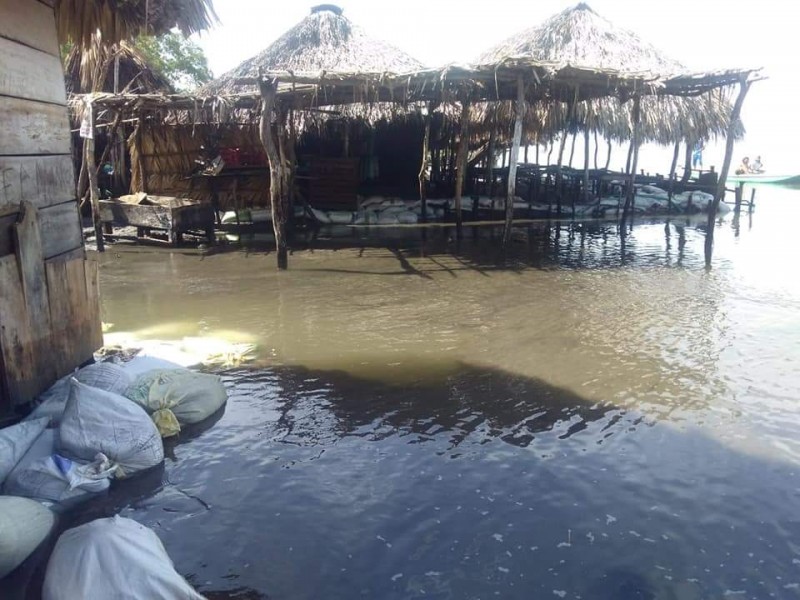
column 15, row 441
column 106, row 376
column 44, row 475
column 113, row 558
column 141, row 364
column 99, row 421
column 24, row 524
column 177, row 397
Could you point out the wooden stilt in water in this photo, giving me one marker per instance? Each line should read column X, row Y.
column 423, row 170
column 687, row 162
column 513, row 159
column 461, row 164
column 572, row 148
column 94, row 191
column 490, row 164
column 608, row 156
column 268, row 91
column 744, row 87
column 739, row 196
column 596, row 149
column 525, row 160
column 586, row 194
column 635, row 142
column 672, row 175
column 559, row 180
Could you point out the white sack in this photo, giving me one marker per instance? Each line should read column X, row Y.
column 106, row 376
column 98, row 421
column 113, row 558
column 178, row 397
column 24, row 524
column 43, row 475
column 15, row 441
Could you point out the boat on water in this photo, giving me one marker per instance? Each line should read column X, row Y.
column 765, row 178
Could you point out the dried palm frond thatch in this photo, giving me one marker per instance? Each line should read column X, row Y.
column 579, row 37
column 79, row 20
column 93, row 70
column 324, row 42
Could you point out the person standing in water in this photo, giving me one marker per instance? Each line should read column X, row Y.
column 697, row 155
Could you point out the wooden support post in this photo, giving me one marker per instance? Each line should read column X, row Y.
column 739, row 196
column 423, row 170
column 559, row 178
column 733, row 123
column 608, row 156
column 752, row 204
column 572, row 148
column 586, row 193
column 672, row 175
column 687, row 162
column 346, row 148
column 461, row 164
column 94, row 190
column 596, row 149
column 525, row 159
column 635, row 143
column 513, row 159
column 276, row 176
column 490, row 164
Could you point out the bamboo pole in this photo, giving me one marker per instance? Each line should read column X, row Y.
column 513, row 159
column 423, row 170
column 94, row 191
column 268, row 91
column 461, row 164
column 744, row 87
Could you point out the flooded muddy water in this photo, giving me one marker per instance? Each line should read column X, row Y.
column 597, row 417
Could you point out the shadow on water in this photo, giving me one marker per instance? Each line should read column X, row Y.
column 468, row 483
column 545, row 244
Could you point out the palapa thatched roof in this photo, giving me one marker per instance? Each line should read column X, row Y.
column 79, row 20
column 580, row 37
column 325, row 41
column 92, row 70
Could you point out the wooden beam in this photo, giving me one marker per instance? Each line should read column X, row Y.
column 744, row 87
column 461, row 164
column 513, row 159
column 268, row 90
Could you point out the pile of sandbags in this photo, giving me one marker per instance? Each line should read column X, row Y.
column 175, row 397
column 101, row 435
column 113, row 558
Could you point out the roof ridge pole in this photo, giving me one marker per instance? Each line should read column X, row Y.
column 513, row 159
column 461, row 164
column 744, row 87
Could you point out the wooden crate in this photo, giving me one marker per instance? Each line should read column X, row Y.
column 175, row 216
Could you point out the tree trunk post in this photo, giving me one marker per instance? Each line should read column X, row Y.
column 276, row 170
column 461, row 164
column 585, row 166
column 423, row 170
column 744, row 87
column 631, row 191
column 672, row 169
column 608, row 156
column 513, row 159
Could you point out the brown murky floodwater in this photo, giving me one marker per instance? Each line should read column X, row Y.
column 597, row 417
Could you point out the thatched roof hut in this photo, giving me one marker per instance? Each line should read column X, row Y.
column 134, row 75
column 325, row 41
column 580, row 37
column 79, row 20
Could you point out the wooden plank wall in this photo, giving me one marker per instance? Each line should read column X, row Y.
column 49, row 303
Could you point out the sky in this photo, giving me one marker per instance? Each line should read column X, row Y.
column 702, row 34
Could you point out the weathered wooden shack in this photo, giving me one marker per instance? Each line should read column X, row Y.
column 49, row 305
